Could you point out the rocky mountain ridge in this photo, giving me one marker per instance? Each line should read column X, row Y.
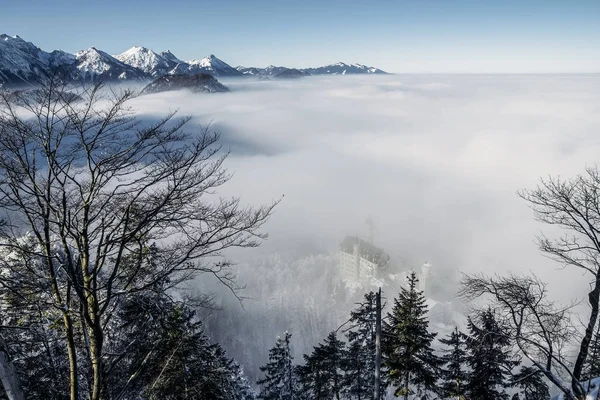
column 23, row 63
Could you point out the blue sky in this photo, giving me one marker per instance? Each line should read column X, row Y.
column 398, row 36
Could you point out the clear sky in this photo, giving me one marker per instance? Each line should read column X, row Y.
column 398, row 36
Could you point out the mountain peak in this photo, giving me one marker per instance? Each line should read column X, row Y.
column 170, row 56
column 148, row 61
column 7, row 38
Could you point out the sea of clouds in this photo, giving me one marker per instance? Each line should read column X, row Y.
column 435, row 160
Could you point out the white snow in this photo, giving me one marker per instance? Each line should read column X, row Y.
column 592, row 388
column 144, row 59
column 93, row 61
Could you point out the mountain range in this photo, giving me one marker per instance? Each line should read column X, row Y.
column 23, row 63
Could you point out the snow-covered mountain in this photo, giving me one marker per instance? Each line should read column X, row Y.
column 94, row 64
column 333, row 69
column 343, row 69
column 23, row 63
column 271, row 72
column 170, row 56
column 267, row 72
column 148, row 61
column 208, row 65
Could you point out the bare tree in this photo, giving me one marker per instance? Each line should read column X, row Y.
column 573, row 205
column 538, row 328
column 107, row 197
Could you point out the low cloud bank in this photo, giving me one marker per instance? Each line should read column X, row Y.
column 435, row 160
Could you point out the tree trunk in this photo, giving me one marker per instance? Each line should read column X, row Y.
column 97, row 365
column 8, row 376
column 72, row 352
column 376, row 394
column 593, row 298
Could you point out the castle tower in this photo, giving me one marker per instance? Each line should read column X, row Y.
column 425, row 275
column 370, row 230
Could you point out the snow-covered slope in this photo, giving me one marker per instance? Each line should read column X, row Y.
column 148, row 61
column 170, row 56
column 343, row 69
column 94, row 64
column 21, row 61
column 208, row 65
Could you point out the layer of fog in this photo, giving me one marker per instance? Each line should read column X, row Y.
column 435, row 160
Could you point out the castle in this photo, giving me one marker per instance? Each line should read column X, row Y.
column 360, row 260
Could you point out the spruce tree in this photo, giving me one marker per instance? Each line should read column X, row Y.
column 335, row 355
column 489, row 359
column 279, row 381
column 453, row 373
column 409, row 356
column 531, row 385
column 591, row 367
column 321, row 377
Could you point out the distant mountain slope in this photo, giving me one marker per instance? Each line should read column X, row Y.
column 149, row 62
column 271, row 72
column 208, row 65
column 94, row 65
column 289, row 73
column 198, row 83
column 333, row 69
column 343, row 69
column 23, row 63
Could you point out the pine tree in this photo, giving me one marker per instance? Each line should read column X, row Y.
column 279, row 381
column 453, row 374
column 356, row 371
column 359, row 363
column 489, row 358
column 321, row 376
column 531, row 385
column 313, row 376
column 335, row 355
column 591, row 367
column 409, row 355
